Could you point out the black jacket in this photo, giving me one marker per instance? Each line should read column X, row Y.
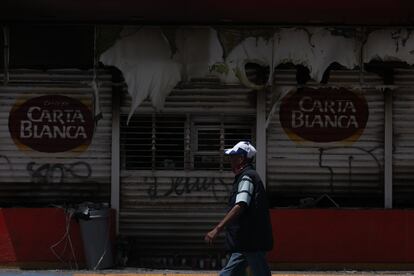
column 252, row 230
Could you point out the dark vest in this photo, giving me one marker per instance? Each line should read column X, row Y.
column 252, row 230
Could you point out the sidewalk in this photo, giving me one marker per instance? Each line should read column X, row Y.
column 144, row 272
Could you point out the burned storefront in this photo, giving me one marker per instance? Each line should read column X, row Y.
column 327, row 107
column 139, row 117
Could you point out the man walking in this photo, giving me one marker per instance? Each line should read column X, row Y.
column 247, row 222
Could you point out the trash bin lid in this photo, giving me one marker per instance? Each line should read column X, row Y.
column 102, row 213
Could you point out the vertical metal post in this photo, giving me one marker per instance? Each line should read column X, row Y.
column 187, row 144
column 115, row 154
column 388, row 141
column 222, row 135
column 153, row 142
column 261, row 135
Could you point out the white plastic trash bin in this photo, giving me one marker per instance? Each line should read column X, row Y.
column 96, row 239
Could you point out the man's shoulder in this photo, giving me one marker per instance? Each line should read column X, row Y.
column 246, row 177
column 250, row 172
column 249, row 175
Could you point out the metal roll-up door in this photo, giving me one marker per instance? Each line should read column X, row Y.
column 51, row 150
column 305, row 173
column 174, row 184
column 403, row 139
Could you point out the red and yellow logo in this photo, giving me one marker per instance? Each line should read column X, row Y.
column 324, row 115
column 51, row 124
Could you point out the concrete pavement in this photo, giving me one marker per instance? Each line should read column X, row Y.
column 145, row 272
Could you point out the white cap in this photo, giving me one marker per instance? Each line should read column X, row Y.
column 242, row 148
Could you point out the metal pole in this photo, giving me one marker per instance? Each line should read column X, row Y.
column 115, row 160
column 388, row 142
column 261, row 135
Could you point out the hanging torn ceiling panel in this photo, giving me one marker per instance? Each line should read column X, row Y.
column 155, row 59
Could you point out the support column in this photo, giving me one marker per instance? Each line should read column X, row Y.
column 388, row 142
column 261, row 135
column 115, row 154
column 386, row 71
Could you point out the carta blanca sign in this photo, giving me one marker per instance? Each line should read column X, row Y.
column 52, row 123
column 324, row 115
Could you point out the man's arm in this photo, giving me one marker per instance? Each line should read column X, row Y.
column 230, row 216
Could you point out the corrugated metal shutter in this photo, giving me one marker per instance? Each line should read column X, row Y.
column 166, row 211
column 203, row 99
column 403, row 128
column 351, row 174
column 33, row 178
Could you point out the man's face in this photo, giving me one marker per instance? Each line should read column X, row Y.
column 236, row 162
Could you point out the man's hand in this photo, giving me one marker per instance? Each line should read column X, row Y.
column 211, row 236
column 233, row 214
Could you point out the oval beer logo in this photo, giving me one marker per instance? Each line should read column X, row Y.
column 324, row 115
column 51, row 124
